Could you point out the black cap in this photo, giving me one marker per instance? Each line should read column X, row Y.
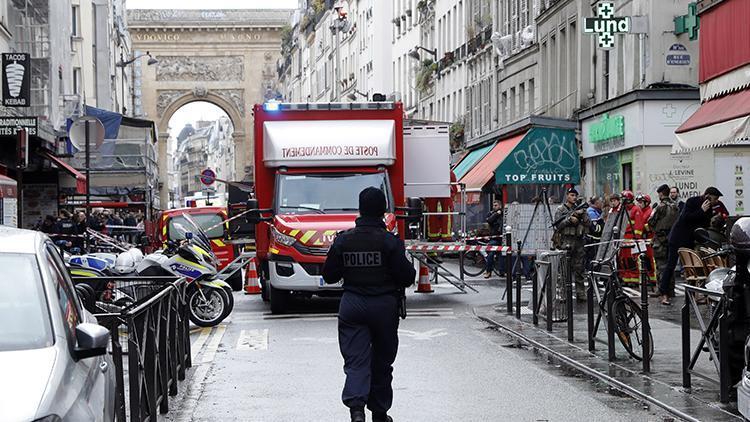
column 712, row 191
column 573, row 190
column 663, row 189
column 371, row 202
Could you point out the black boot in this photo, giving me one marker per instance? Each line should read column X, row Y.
column 381, row 417
column 358, row 414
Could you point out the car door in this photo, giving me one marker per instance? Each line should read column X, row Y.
column 88, row 377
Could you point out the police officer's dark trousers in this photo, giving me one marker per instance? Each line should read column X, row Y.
column 368, row 338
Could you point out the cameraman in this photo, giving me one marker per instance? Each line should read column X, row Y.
column 570, row 231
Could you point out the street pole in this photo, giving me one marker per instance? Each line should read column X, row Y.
column 20, row 164
column 338, row 49
column 88, row 169
column 122, row 82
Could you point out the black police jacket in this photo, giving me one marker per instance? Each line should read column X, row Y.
column 370, row 260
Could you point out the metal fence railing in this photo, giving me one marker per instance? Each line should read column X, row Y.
column 149, row 324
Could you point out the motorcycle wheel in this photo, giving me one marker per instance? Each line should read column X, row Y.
column 230, row 300
column 207, row 306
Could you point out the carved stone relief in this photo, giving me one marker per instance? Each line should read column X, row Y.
column 233, row 96
column 212, row 68
column 166, row 98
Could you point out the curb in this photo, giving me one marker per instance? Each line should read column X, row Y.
column 612, row 382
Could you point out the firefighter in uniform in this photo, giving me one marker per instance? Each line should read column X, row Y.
column 375, row 270
column 570, row 235
column 661, row 221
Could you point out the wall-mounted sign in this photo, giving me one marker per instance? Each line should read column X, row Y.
column 606, row 25
column 9, row 126
column 689, row 23
column 678, row 55
column 607, row 128
column 16, row 80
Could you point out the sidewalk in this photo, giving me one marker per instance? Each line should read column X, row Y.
column 662, row 387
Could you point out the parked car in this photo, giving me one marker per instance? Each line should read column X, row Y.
column 53, row 354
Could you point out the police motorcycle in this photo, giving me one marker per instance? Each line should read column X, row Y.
column 734, row 282
column 210, row 299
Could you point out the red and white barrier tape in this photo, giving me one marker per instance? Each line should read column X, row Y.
column 454, row 247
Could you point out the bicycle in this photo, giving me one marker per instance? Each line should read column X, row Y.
column 475, row 262
column 626, row 313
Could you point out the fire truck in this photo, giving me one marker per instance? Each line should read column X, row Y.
column 311, row 162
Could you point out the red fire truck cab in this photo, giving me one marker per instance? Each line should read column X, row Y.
column 311, row 162
column 209, row 219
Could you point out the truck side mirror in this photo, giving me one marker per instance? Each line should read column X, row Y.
column 253, row 216
column 412, row 210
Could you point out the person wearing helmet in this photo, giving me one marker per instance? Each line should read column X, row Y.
column 570, row 231
column 697, row 213
column 661, row 221
column 634, row 229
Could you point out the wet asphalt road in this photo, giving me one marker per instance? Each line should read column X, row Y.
column 450, row 367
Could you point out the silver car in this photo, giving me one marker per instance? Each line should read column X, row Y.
column 53, row 355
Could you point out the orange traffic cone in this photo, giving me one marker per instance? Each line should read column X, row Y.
column 423, row 285
column 252, row 283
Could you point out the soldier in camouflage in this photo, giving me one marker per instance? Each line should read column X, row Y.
column 570, row 232
column 661, row 221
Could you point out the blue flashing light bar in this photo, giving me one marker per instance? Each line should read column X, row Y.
column 272, row 106
column 279, row 106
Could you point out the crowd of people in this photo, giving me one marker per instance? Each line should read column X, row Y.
column 71, row 227
column 667, row 225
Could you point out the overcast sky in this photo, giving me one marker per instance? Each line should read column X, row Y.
column 213, row 4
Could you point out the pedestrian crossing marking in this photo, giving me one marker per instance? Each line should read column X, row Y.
column 424, row 335
column 253, row 340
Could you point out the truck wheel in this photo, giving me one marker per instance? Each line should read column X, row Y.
column 235, row 281
column 264, row 290
column 279, row 300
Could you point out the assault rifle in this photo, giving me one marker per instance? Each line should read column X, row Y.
column 581, row 206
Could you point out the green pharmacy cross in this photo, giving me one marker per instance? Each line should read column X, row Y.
column 689, row 23
column 606, row 25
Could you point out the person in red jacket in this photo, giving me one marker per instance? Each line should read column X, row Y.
column 635, row 228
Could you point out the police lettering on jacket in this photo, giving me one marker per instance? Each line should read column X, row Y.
column 362, row 259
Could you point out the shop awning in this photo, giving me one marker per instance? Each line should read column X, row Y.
column 80, row 177
column 721, row 121
column 468, row 162
column 541, row 156
column 484, row 170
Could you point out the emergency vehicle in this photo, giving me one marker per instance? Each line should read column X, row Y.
column 311, row 162
column 210, row 219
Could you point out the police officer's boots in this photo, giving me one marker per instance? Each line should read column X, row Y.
column 381, row 417
column 358, row 414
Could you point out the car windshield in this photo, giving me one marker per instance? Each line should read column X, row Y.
column 325, row 193
column 23, row 305
column 205, row 221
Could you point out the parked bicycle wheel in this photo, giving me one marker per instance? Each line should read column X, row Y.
column 628, row 322
column 474, row 263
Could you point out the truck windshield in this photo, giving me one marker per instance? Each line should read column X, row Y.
column 205, row 221
column 325, row 193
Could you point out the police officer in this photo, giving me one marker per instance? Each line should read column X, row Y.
column 570, row 233
column 661, row 221
column 373, row 265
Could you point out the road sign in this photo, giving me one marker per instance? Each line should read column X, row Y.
column 208, row 177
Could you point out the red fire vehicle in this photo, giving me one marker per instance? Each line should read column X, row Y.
column 311, row 162
column 210, row 219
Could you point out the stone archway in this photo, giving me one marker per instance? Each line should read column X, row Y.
column 224, row 57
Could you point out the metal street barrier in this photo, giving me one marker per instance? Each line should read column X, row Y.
column 551, row 293
column 155, row 321
column 714, row 339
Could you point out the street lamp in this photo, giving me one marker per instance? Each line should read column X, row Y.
column 340, row 24
column 124, row 63
column 414, row 54
column 353, row 96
